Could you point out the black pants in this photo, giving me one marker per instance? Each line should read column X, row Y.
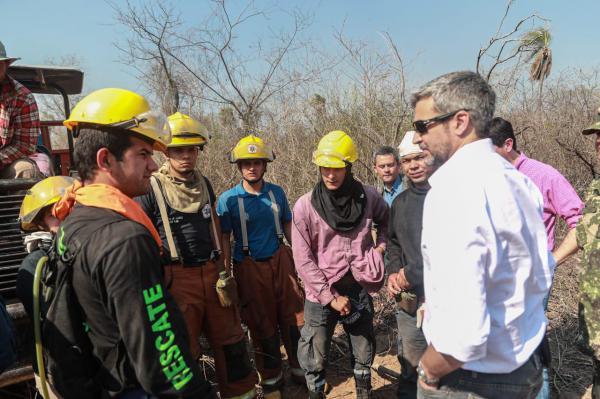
column 523, row 383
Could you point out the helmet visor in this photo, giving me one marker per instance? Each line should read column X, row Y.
column 27, row 220
column 152, row 124
column 328, row 159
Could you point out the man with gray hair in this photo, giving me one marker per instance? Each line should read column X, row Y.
column 486, row 267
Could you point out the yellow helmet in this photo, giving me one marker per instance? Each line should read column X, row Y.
column 186, row 131
column 251, row 147
column 122, row 109
column 334, row 150
column 42, row 194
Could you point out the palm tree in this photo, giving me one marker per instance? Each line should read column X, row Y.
column 537, row 43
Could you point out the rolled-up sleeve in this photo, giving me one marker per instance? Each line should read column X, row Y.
column 565, row 201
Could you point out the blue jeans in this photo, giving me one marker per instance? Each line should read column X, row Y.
column 523, row 383
column 545, row 391
column 411, row 346
column 315, row 340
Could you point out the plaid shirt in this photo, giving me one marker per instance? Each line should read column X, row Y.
column 19, row 122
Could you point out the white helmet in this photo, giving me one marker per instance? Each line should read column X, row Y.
column 407, row 147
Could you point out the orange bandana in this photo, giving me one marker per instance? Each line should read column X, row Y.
column 107, row 197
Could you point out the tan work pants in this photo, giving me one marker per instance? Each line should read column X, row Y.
column 193, row 288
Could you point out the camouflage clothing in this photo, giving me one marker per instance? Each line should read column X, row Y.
column 588, row 238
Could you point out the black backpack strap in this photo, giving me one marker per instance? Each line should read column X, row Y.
column 79, row 237
column 71, row 366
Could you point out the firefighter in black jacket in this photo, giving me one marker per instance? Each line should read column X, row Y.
column 181, row 206
column 136, row 330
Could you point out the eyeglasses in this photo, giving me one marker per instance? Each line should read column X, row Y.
column 423, row 125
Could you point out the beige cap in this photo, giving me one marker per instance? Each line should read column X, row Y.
column 407, row 147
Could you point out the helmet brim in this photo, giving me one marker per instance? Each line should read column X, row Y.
column 328, row 161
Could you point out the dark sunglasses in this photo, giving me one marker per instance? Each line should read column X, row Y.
column 422, row 125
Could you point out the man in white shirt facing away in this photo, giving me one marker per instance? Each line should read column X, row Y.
column 486, row 264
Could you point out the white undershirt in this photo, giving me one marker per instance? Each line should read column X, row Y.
column 486, row 264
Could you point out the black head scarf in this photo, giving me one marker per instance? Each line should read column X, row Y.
column 342, row 209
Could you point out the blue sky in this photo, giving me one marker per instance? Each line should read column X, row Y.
column 434, row 36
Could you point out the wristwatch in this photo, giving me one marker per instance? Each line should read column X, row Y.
column 429, row 381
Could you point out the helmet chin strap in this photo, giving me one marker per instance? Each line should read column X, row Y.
column 255, row 181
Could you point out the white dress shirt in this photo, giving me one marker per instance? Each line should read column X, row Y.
column 486, row 263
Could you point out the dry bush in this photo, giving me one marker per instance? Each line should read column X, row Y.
column 362, row 89
column 554, row 137
column 554, row 134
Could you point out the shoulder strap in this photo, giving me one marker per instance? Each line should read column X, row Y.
column 216, row 241
column 275, row 209
column 243, row 224
column 162, row 207
column 79, row 237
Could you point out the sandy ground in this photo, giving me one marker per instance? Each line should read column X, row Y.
column 341, row 381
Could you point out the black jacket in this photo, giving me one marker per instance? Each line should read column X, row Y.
column 404, row 244
column 136, row 329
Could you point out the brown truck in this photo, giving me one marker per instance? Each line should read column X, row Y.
column 61, row 81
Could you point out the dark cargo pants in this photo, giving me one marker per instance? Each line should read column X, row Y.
column 271, row 301
column 315, row 340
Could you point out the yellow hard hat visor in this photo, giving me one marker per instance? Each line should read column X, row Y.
column 187, row 139
column 27, row 219
column 151, row 124
column 328, row 159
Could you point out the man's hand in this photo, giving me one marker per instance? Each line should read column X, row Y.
column 392, row 286
column 342, row 305
column 436, row 364
column 426, row 387
column 397, row 283
column 381, row 250
column 402, row 281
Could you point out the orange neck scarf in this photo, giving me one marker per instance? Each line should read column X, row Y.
column 107, row 197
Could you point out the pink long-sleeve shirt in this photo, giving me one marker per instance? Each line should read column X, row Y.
column 323, row 256
column 560, row 198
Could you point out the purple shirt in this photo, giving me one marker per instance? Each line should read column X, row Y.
column 323, row 256
column 560, row 198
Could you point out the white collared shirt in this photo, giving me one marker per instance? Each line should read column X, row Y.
column 486, row 264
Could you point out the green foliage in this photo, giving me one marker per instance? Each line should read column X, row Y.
column 537, row 44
